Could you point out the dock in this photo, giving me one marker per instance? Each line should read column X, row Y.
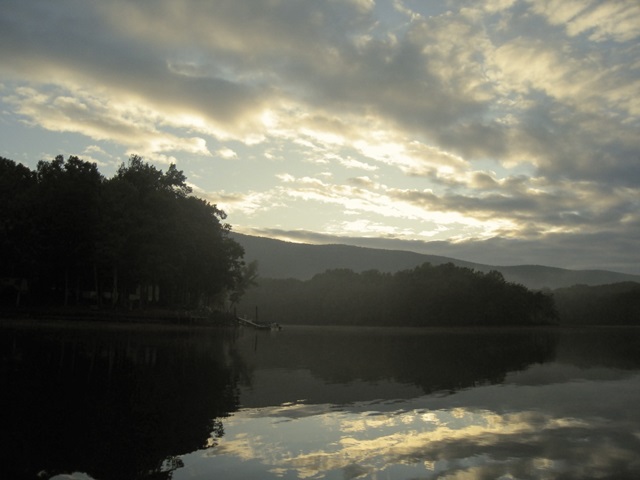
column 257, row 325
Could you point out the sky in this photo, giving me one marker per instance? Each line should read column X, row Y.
column 503, row 132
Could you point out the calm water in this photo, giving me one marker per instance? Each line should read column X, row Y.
column 117, row 403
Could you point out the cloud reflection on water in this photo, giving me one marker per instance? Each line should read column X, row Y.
column 474, row 437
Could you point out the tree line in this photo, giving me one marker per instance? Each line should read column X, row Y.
column 428, row 295
column 70, row 236
column 443, row 295
column 613, row 304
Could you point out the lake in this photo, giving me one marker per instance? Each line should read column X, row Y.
column 115, row 402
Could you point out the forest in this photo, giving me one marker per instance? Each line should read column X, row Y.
column 69, row 236
column 440, row 295
column 613, row 304
column 427, row 295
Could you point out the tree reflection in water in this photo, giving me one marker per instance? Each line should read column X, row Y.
column 122, row 402
column 115, row 402
column 431, row 359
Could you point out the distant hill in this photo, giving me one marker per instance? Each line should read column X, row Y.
column 279, row 259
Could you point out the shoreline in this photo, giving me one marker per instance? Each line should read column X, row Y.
column 75, row 315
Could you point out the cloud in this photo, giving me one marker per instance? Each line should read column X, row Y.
column 439, row 85
column 510, row 206
column 600, row 21
column 476, row 439
column 372, row 200
column 101, row 119
column 227, row 153
column 102, row 55
column 249, row 203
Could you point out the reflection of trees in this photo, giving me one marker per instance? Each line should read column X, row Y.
column 432, row 360
column 123, row 403
column 118, row 404
column 613, row 347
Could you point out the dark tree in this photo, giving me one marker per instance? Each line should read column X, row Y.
column 428, row 295
column 612, row 304
column 135, row 239
column 17, row 229
column 67, row 219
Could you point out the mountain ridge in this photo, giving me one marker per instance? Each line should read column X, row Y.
column 281, row 259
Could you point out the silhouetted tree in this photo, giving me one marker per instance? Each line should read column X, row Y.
column 247, row 278
column 17, row 229
column 67, row 218
column 613, row 304
column 427, row 295
column 71, row 232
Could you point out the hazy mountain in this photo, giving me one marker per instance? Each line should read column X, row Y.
column 279, row 259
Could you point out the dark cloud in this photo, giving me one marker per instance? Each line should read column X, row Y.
column 72, row 44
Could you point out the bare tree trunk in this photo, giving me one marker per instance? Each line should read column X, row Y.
column 114, row 287
column 96, row 285
column 66, row 286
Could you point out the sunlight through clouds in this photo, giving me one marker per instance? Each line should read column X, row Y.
column 427, row 98
column 619, row 21
column 102, row 119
